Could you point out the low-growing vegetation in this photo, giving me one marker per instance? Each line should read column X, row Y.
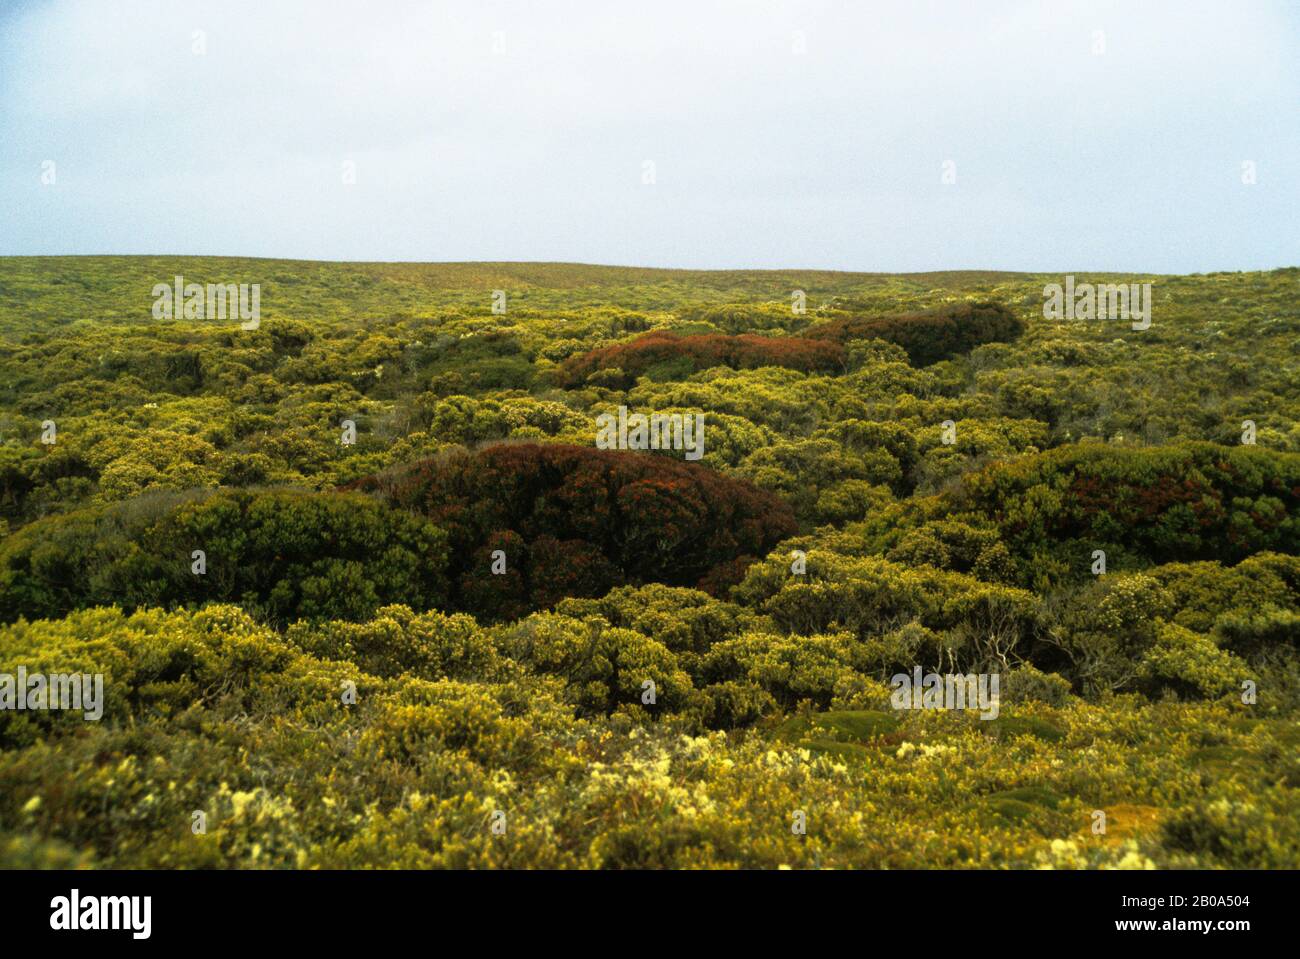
column 364, row 592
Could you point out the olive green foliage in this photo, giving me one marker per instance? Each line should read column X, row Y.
column 284, row 555
column 346, row 684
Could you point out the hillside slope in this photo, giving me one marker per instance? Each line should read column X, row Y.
column 399, row 562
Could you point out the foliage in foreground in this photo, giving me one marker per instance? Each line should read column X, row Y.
column 214, row 713
column 944, row 465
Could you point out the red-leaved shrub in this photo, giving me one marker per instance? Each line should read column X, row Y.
column 704, row 351
column 576, row 521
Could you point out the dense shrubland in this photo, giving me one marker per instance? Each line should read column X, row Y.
column 1047, row 513
column 576, row 521
column 664, row 355
column 928, row 335
column 283, row 555
column 332, row 566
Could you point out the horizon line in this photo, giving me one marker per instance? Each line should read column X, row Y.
column 623, row 266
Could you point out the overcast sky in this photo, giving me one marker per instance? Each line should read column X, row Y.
column 782, row 134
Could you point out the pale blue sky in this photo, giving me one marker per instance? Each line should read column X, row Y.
column 783, row 134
